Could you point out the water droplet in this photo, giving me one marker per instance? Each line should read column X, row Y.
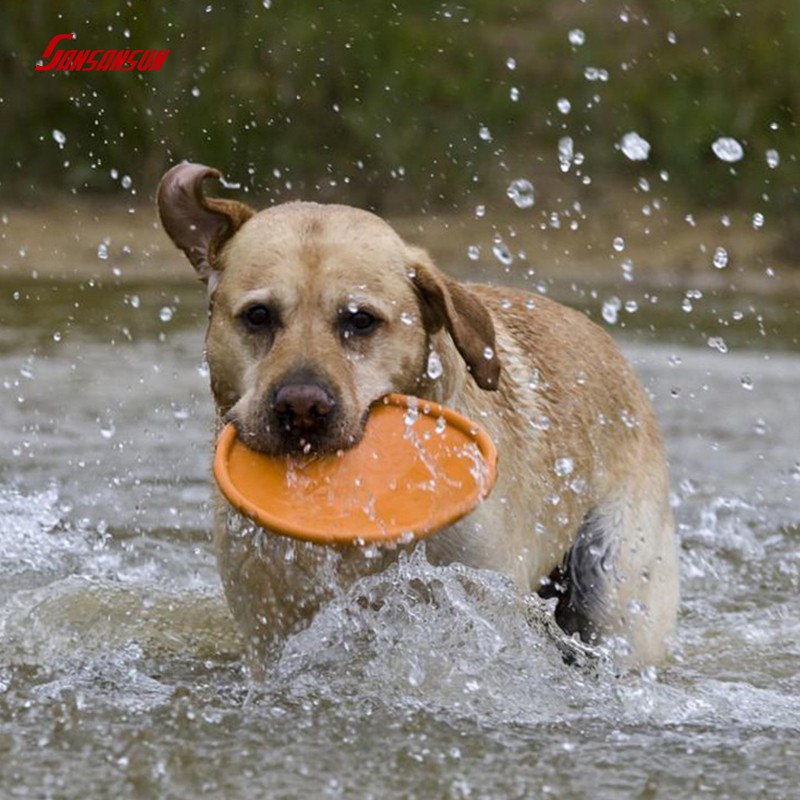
column 728, row 149
column 631, row 306
column 473, row 252
column 577, row 37
column 511, row 63
column 521, row 192
column 578, row 485
column 717, row 343
column 773, row 158
column 627, row 269
column 747, row 383
column 488, row 353
column 564, row 105
column 540, row 422
column 501, row 252
column 564, row 466
column 26, row 370
column 618, row 244
column 635, row 147
column 758, row 220
column 435, row 368
column 720, row 259
column 595, row 74
column 611, row 309
column 760, row 427
column 107, row 429
column 134, row 301
column 102, row 250
column 266, row 3
column 485, row 134
column 195, row 91
column 57, row 336
column 165, row 314
column 566, row 153
column 686, row 305
column 59, row 138
column 406, row 318
column 480, row 211
column 513, row 94
column 126, row 182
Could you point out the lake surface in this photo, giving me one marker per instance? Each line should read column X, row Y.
column 120, row 672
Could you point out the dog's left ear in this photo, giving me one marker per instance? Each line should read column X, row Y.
column 467, row 320
column 197, row 224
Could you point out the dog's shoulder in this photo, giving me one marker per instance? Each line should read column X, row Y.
column 533, row 319
column 577, row 365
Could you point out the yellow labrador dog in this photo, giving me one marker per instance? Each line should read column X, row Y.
column 316, row 311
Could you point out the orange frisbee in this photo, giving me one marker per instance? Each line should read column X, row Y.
column 418, row 468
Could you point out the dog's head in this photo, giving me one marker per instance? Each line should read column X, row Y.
column 316, row 312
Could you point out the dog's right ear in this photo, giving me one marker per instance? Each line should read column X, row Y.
column 197, row 224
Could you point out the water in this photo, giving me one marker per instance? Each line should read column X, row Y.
column 728, row 149
column 635, row 147
column 120, row 673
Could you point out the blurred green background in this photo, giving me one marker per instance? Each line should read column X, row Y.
column 382, row 103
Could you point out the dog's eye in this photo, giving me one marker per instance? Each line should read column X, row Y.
column 360, row 323
column 258, row 317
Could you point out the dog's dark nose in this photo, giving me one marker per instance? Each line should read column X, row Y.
column 303, row 406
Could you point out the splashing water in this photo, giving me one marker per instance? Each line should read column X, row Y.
column 773, row 159
column 502, row 253
column 566, row 153
column 435, row 369
column 728, row 149
column 521, row 193
column 610, row 310
column 720, row 259
column 635, row 147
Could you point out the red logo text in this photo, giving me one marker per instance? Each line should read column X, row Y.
column 98, row 60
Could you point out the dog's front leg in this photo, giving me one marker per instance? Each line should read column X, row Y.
column 273, row 585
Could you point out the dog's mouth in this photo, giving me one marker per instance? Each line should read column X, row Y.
column 274, row 439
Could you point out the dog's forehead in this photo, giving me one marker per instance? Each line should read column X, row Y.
column 310, row 240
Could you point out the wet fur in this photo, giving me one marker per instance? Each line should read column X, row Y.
column 554, row 386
